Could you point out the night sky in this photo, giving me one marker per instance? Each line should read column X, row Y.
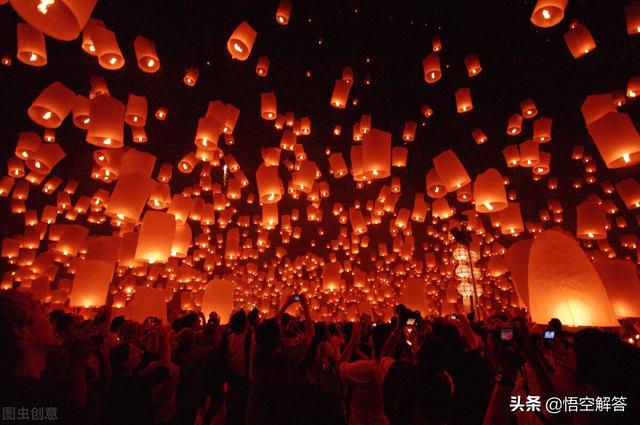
column 518, row 61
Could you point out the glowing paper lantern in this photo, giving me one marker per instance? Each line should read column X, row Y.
column 52, row 106
column 136, row 111
column 409, row 131
column 191, row 76
column 511, row 220
column 91, row 283
column 241, row 41
column 107, row 49
column 629, row 191
column 270, row 188
column 563, row 284
column 473, row 65
column 376, row 154
column 146, row 54
column 129, row 197
column 514, row 125
column 591, row 221
column 87, row 34
column 262, row 68
column 632, row 15
column 62, row 19
column 156, row 237
column 431, row 68
column 45, row 158
column 358, row 224
column 338, row 165
column 479, row 136
column 463, row 100
column 284, row 12
column 331, row 276
column 529, row 153
column 435, row 187
column 340, row 94
column 548, row 13
column 489, row 193
column 218, row 297
column 579, row 41
column 106, row 128
column 208, row 133
column 617, row 140
column 28, row 143
column 147, row 302
column 440, row 209
column 414, row 296
column 31, row 46
column 451, row 170
column 620, row 279
column 268, row 106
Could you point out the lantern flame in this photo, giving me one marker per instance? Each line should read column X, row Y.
column 626, row 157
column 546, row 14
column 43, row 6
column 237, row 47
column 33, row 57
column 47, row 115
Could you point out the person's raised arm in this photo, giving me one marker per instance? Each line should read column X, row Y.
column 308, row 323
column 355, row 339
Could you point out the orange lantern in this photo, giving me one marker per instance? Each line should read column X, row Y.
column 479, row 136
column 632, row 15
column 591, row 221
column 542, row 130
column 473, row 65
column 284, row 12
column 489, row 193
column 241, row 41
column 451, row 170
column 629, row 191
column 91, row 283
column 511, row 220
column 529, row 153
column 31, row 46
column 208, row 132
column 463, row 100
column 441, row 210
column 262, row 68
column 81, row 108
column 28, row 143
column 409, row 131
column 129, row 197
column 431, row 68
column 528, row 108
column 62, row 19
column 435, row 187
column 52, row 106
column 340, row 94
column 399, row 156
column 45, row 158
column 107, row 49
column 338, row 165
column 146, row 54
column 161, row 113
column 514, row 125
column 376, row 154
column 106, row 128
column 579, row 41
column 191, row 76
column 270, row 188
column 617, row 140
column 156, row 237
column 548, row 13
column 268, row 108
column 136, row 111
column 87, row 34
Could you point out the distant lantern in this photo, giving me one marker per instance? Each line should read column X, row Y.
column 241, row 41
column 62, row 19
column 191, row 76
column 441, row 210
column 107, row 49
column 633, row 87
column 45, row 158
column 451, row 170
column 511, row 220
column 138, row 135
column 529, row 153
column 31, row 45
column 106, row 128
column 331, row 276
column 160, row 197
column 270, row 188
column 268, row 106
column 409, row 131
column 340, row 94
column 431, row 68
column 617, row 140
column 528, row 108
column 376, row 154
column 632, row 15
column 544, row 164
column 479, row 136
column 347, row 74
column 488, row 192
column 87, row 34
column 283, row 13
column 28, row 143
column 337, row 165
column 136, row 111
column 434, row 185
column 548, row 13
column 629, row 191
column 129, row 197
column 156, row 237
column 514, row 125
column 146, row 54
column 91, row 283
column 473, row 65
column 463, row 100
column 262, row 68
column 269, row 215
column 52, row 105
column 161, row 113
column 542, row 130
column 579, row 41
column 591, row 221
column 399, row 156
column 426, row 111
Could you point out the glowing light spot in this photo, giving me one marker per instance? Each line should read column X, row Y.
column 86, row 120
column 33, row 57
column 546, row 14
column 626, row 158
column 47, row 115
column 107, row 141
column 151, row 63
column 113, row 60
column 43, row 6
column 237, row 48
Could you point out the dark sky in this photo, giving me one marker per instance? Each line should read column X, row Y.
column 518, row 60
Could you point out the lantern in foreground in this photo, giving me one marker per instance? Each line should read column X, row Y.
column 52, row 106
column 617, row 140
column 241, row 41
column 488, row 191
column 548, row 13
column 91, row 283
column 107, row 49
column 146, row 54
column 218, row 297
column 463, row 100
column 106, row 128
column 284, row 12
column 270, row 188
column 62, row 19
column 31, row 45
column 579, row 41
column 451, row 170
column 376, row 154
column 268, row 108
column 156, row 237
column 340, row 94
column 620, row 280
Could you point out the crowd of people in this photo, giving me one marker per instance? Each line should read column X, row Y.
column 290, row 370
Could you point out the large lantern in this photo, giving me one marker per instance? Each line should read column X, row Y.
column 548, row 13
column 451, row 170
column 617, row 140
column 488, row 191
column 52, row 106
column 61, row 19
column 241, row 41
column 156, row 237
column 106, row 126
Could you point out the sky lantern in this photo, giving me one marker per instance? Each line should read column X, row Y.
column 548, row 13
column 463, row 100
column 147, row 302
column 107, row 49
column 542, row 130
column 129, row 197
column 632, row 15
column 435, row 186
column 399, row 156
column 514, row 125
column 441, row 210
column 544, row 164
column 358, row 223
column 431, row 68
column 409, row 131
column 617, row 139
column 62, row 19
column 262, row 67
column 91, row 283
column 268, row 106
column 331, row 276
column 218, row 297
column 376, row 154
column 528, row 108
column 191, row 76
column 270, row 186
column 489, row 194
column 591, row 221
column 28, row 144
column 511, row 220
column 31, row 45
column 340, row 94
column 479, row 136
column 52, row 105
column 347, row 74
column 87, row 34
column 269, row 216
column 208, row 132
column 620, row 279
column 156, row 237
column 337, row 165
column 629, row 191
column 596, row 106
column 45, row 158
column 529, row 153
column 106, row 127
column 146, row 54
column 564, row 284
column 283, row 13
column 473, row 65
column 451, row 170
column 304, row 178
column 136, row 111
column 579, row 41
column 241, row 41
